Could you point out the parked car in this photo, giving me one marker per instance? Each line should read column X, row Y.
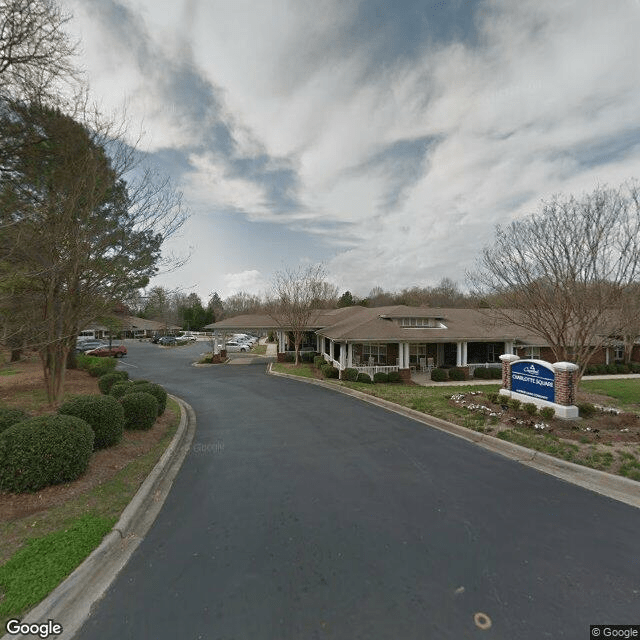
column 88, row 345
column 233, row 346
column 115, row 351
column 168, row 341
column 155, row 338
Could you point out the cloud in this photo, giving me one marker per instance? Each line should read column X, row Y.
column 250, row 281
column 396, row 135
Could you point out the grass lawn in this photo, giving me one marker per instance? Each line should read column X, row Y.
column 304, row 370
column 626, row 391
column 259, row 349
column 40, row 549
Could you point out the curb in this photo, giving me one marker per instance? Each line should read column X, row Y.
column 606, row 484
column 70, row 603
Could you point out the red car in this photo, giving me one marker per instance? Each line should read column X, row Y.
column 116, row 350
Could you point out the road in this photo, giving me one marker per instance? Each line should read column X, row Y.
column 300, row 513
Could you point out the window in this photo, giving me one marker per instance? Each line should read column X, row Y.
column 376, row 351
column 429, row 323
column 532, row 353
column 619, row 352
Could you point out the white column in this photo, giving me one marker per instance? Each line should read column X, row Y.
column 343, row 355
column 407, row 355
column 459, row 354
column 280, row 341
column 401, row 355
column 508, row 346
column 331, row 349
column 606, row 356
column 215, row 342
column 464, row 354
column 349, row 347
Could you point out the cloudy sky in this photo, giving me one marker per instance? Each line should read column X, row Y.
column 385, row 139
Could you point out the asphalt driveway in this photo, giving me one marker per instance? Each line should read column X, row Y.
column 300, row 513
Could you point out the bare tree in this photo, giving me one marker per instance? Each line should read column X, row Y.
column 35, row 51
column 562, row 273
column 294, row 297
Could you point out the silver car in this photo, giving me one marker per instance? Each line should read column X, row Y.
column 233, row 346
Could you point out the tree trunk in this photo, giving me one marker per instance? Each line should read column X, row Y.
column 16, row 354
column 72, row 359
column 54, row 360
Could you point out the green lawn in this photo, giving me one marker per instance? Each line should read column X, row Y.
column 625, row 391
column 303, row 370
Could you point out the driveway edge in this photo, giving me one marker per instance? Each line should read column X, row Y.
column 606, row 484
column 70, row 603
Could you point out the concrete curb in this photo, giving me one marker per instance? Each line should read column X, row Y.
column 606, row 484
column 69, row 604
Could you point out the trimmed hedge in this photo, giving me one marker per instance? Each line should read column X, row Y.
column 495, row 373
column 482, row 373
column 44, row 450
column 586, row 410
column 329, row 371
column 394, row 376
column 101, row 367
column 106, row 381
column 155, row 390
column 140, row 410
column 439, row 375
column 364, row 377
column 457, row 374
column 104, row 414
column 350, row 374
column 530, row 408
column 547, row 412
column 308, row 356
column 318, row 361
column 9, row 417
column 380, row 377
column 120, row 388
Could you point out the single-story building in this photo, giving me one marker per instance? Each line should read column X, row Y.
column 404, row 339
column 133, row 327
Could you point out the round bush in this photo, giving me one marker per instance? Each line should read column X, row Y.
column 329, row 371
column 481, row 373
column 107, row 381
column 622, row 368
column 530, row 408
column 350, row 374
column 120, row 388
column 547, row 412
column 457, row 374
column 101, row 366
column 104, row 414
column 364, row 377
column 394, row 376
column 318, row 361
column 308, row 356
column 9, row 417
column 44, row 450
column 439, row 375
column 380, row 377
column 495, row 373
column 155, row 390
column 140, row 410
column 514, row 403
column 586, row 410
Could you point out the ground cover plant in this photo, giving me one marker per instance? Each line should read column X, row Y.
column 63, row 523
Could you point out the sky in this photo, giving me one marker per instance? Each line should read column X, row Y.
column 385, row 140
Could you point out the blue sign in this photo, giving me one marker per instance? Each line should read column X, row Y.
column 532, row 378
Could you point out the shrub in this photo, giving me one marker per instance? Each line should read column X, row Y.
column 318, row 361
column 350, row 374
column 364, row 377
column 495, row 373
column 155, row 390
column 591, row 370
column 586, row 410
column 101, row 366
column 107, row 381
column 308, row 356
column 481, row 373
column 394, row 376
column 289, row 356
column 601, row 369
column 635, row 367
column 622, row 368
column 42, row 451
column 140, row 382
column 9, row 417
column 514, row 403
column 140, row 410
column 457, row 374
column 547, row 412
column 439, row 375
column 329, row 371
column 530, row 408
column 120, row 388
column 104, row 414
column 492, row 397
column 610, row 369
column 381, row 377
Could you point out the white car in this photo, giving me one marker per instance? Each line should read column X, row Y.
column 234, row 346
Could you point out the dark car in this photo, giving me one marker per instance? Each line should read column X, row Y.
column 167, row 341
column 155, row 338
column 115, row 351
